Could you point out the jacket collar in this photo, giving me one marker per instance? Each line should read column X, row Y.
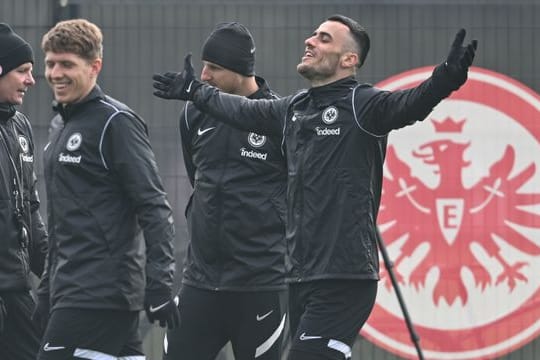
column 327, row 94
column 67, row 111
column 263, row 89
column 6, row 111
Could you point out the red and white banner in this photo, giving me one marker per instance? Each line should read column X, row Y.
column 460, row 215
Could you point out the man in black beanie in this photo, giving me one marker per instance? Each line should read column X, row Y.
column 24, row 240
column 14, row 50
column 233, row 285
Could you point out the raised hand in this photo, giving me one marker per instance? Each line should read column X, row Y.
column 179, row 86
column 460, row 58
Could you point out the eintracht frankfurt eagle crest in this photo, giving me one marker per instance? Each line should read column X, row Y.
column 460, row 215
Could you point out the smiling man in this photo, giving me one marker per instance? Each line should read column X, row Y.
column 23, row 244
column 334, row 137
column 103, row 187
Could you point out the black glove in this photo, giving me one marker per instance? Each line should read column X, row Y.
column 459, row 59
column 161, row 307
column 40, row 316
column 179, row 86
column 3, row 314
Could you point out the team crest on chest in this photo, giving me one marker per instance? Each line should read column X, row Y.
column 256, row 140
column 74, row 142
column 330, row 115
column 23, row 142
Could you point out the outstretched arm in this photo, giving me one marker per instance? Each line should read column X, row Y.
column 261, row 116
column 392, row 110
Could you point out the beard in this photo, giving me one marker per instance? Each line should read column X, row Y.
column 319, row 71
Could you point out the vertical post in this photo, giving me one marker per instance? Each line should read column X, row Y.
column 64, row 10
column 389, row 264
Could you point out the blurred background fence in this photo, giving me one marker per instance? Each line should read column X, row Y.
column 144, row 36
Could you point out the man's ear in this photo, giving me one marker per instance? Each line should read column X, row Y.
column 349, row 60
column 96, row 66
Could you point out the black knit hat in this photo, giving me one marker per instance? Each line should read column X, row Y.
column 231, row 45
column 14, row 50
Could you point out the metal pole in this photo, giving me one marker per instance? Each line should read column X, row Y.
column 390, row 268
column 64, row 10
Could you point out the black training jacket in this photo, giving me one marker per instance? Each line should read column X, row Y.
column 335, row 141
column 103, row 187
column 236, row 213
column 18, row 257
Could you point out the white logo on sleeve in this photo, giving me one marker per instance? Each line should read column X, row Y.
column 262, row 317
column 303, row 337
column 188, row 90
column 200, row 132
column 47, row 347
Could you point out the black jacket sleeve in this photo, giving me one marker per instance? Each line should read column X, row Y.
column 128, row 153
column 43, row 287
column 383, row 111
column 38, row 245
column 262, row 116
column 186, row 136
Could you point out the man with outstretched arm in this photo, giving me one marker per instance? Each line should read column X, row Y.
column 335, row 137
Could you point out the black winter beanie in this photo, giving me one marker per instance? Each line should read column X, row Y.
column 14, row 50
column 231, row 45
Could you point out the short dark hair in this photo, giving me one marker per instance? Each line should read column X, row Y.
column 359, row 35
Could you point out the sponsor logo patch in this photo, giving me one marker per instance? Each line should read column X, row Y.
column 327, row 131
column 66, row 158
column 253, row 154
